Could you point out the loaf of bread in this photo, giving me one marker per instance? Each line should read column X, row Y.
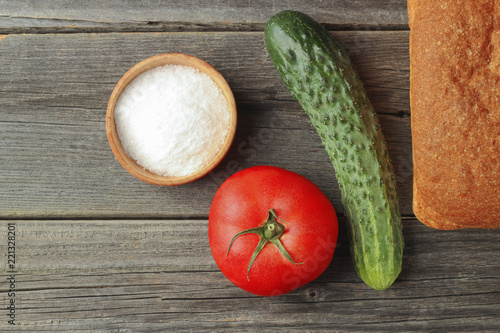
column 455, row 112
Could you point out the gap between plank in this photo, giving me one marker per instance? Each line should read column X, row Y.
column 151, row 27
column 340, row 218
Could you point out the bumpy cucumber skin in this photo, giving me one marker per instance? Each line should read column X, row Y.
column 319, row 74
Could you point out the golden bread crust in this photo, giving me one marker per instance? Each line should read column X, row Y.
column 455, row 112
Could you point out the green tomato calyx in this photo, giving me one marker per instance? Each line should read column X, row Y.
column 269, row 231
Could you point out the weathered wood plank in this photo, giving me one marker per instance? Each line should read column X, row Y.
column 55, row 160
column 98, row 16
column 157, row 275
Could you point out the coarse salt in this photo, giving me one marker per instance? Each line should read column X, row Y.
column 172, row 120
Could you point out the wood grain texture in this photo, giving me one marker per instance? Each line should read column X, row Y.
column 98, row 16
column 55, row 161
column 157, row 275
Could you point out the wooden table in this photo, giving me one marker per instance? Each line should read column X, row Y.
column 98, row 250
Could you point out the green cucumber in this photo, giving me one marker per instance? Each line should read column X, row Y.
column 319, row 74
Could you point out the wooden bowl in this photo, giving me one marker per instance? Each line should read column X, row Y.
column 160, row 60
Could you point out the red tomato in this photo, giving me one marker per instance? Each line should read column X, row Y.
column 275, row 208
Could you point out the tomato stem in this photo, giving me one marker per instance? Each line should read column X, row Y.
column 269, row 231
